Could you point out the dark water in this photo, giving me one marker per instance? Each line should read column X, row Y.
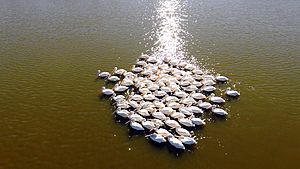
column 51, row 115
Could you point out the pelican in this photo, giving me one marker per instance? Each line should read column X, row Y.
column 137, row 69
column 182, row 132
column 141, row 63
column 133, row 104
column 186, row 122
column 136, row 117
column 143, row 112
column 185, row 111
column 136, row 126
column 104, row 74
column 176, row 142
column 119, row 72
column 151, row 60
column 187, row 140
column 157, row 138
column 198, row 121
column 120, row 88
column 122, row 113
column 149, row 97
column 172, row 123
column 137, row 97
column 119, row 98
column 159, row 93
column 232, row 93
column 107, row 92
column 159, row 115
column 171, row 99
column 174, row 105
column 158, row 123
column 208, row 88
column 167, row 110
column 148, row 124
column 198, row 96
column 144, row 90
column 180, row 94
column 144, row 57
column 196, row 110
column 222, row 78
column 208, row 82
column 127, row 82
column 219, row 111
column 198, row 72
column 217, row 100
column 163, row 132
column 205, row 105
column 113, row 78
column 177, row 115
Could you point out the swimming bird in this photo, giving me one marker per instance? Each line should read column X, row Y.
column 113, row 78
column 176, row 142
column 107, row 92
column 222, row 78
column 157, row 138
column 104, row 74
column 219, row 111
column 217, row 100
column 120, row 88
column 136, row 126
column 232, row 93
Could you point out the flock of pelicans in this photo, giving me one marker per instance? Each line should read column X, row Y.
column 165, row 98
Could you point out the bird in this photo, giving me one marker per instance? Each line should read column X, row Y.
column 219, row 111
column 232, row 93
column 136, row 126
column 157, row 138
column 222, row 78
column 107, row 92
column 176, row 142
column 104, row 74
column 216, row 99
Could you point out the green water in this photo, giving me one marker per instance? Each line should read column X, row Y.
column 52, row 117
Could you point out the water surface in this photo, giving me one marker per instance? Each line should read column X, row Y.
column 51, row 115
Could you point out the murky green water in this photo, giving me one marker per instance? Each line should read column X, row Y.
column 51, row 115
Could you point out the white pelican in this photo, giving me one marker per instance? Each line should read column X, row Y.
column 185, row 111
column 208, row 88
column 183, row 132
column 137, row 69
column 205, row 105
column 159, row 115
column 119, row 98
column 219, row 111
column 104, row 74
column 198, row 72
column 217, row 100
column 158, row 123
column 180, row 94
column 190, row 88
column 143, row 112
column 167, row 110
column 144, row 57
column 188, row 101
column 127, row 82
column 232, row 93
column 163, row 132
column 208, row 82
column 176, row 142
column 198, row 121
column 174, row 105
column 159, row 93
column 187, row 140
column 144, row 90
column 148, row 124
column 136, row 126
column 113, row 78
column 107, row 92
column 151, row 60
column 196, row 110
column 186, row 122
column 171, row 99
column 133, row 104
column 222, row 78
column 157, row 138
column 136, row 117
column 177, row 115
column 122, row 113
column 141, row 63
column 158, row 104
column 172, row 123
column 120, row 88
column 198, row 96
column 149, row 97
column 136, row 97
column 119, row 71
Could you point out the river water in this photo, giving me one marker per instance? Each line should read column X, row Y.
column 51, row 115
